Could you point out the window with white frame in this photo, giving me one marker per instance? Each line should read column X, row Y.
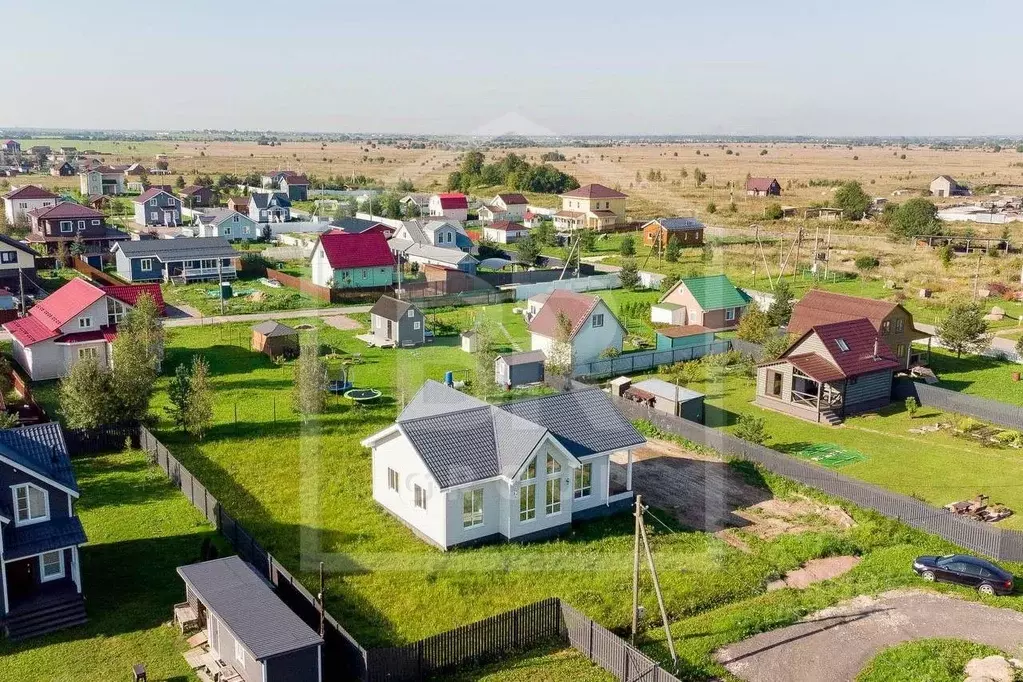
column 152, row 202
column 154, row 215
column 31, row 504
column 51, row 566
column 81, row 225
column 583, row 481
column 88, row 353
column 84, row 322
column 553, row 465
column 598, row 320
column 530, row 472
column 472, row 508
column 527, row 502
column 115, row 310
column 392, row 479
column 66, row 226
column 227, row 231
column 415, row 325
column 420, row 497
column 95, row 222
column 412, row 313
column 8, row 256
column 553, row 495
column 729, row 314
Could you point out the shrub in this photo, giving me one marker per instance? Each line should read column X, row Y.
column 866, row 262
column 774, row 212
column 751, row 428
column 627, row 247
column 911, row 406
column 608, row 353
column 712, row 207
column 945, row 255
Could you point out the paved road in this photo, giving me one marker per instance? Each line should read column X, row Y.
column 834, row 645
column 999, row 344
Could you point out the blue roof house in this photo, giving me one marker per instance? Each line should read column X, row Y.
column 40, row 533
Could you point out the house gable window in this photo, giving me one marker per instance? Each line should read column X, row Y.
column 530, row 472
column 420, row 497
column 392, row 479
column 583, row 481
column 31, row 504
column 553, row 495
column 472, row 508
column 553, row 465
column 152, row 202
column 8, row 256
column 598, row 320
column 84, row 322
column 115, row 310
column 886, row 327
column 729, row 314
column 900, row 325
column 51, row 566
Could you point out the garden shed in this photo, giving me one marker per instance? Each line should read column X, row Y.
column 518, row 369
column 683, row 336
column 469, row 341
column 275, row 339
column 665, row 397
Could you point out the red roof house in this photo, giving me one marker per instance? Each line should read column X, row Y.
column 762, row 187
column 345, row 261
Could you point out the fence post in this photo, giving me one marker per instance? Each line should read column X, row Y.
column 625, row 652
column 590, row 647
column 515, row 629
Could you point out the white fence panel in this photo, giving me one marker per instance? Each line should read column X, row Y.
column 592, row 283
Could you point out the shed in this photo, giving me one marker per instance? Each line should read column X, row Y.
column 668, row 313
column 275, row 339
column 396, row 323
column 669, row 398
column 684, row 336
column 248, row 626
column 469, row 341
column 518, row 369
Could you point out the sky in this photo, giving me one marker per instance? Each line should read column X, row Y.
column 813, row 67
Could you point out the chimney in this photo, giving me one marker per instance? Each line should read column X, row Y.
column 876, row 356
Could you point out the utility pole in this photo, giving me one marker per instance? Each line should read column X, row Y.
column 756, row 237
column 21, row 290
column 799, row 241
column 827, row 256
column 638, row 513
column 976, row 278
column 657, row 590
column 220, row 282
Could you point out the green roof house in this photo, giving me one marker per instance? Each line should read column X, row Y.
column 711, row 301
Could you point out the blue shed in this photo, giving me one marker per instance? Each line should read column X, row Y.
column 683, row 336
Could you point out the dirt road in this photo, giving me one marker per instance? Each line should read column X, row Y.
column 834, row 645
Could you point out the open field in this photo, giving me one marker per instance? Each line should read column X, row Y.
column 140, row 529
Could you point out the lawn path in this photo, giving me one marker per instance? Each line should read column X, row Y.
column 504, row 330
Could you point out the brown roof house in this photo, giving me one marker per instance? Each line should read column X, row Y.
column 763, row 187
column 686, row 231
column 573, row 328
column 591, row 206
column 893, row 322
column 829, row 372
column 275, row 339
column 240, row 204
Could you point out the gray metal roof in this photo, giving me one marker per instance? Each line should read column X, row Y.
column 463, row 440
column 355, row 225
column 271, row 328
column 215, row 216
column 263, row 199
column 449, row 256
column 40, row 449
column 680, row 224
column 390, row 308
column 524, row 358
column 585, row 422
column 244, row 602
column 178, row 249
column 663, row 389
column 37, row 538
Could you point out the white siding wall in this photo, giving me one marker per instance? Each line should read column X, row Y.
column 398, row 454
column 14, row 209
column 495, row 504
column 323, row 274
column 591, row 341
column 542, row 521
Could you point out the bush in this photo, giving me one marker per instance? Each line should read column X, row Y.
column 750, row 428
column 945, row 255
column 866, row 262
column 627, row 247
column 712, row 207
column 608, row 353
column 774, row 212
column 911, row 406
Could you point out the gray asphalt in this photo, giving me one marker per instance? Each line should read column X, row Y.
column 834, row 645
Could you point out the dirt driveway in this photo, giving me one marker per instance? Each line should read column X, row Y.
column 834, row 644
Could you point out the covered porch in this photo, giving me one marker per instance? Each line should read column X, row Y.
column 197, row 270
column 804, row 386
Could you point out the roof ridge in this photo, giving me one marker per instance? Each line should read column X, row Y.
column 458, row 410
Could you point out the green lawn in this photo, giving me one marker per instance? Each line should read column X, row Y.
column 255, row 298
column 140, row 529
column 547, row 664
column 303, row 489
column 978, row 375
column 925, row 660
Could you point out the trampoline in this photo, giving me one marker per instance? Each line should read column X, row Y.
column 363, row 395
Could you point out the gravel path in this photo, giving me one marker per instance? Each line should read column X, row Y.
column 834, row 644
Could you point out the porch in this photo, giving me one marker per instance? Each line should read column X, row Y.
column 51, row 606
column 789, row 389
column 198, row 270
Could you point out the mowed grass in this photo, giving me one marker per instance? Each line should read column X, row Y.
column 140, row 529
column 547, row 664
column 978, row 375
column 255, row 298
column 933, row 660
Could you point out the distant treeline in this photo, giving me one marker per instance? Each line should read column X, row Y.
column 513, row 172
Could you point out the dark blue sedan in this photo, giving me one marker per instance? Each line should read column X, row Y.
column 962, row 569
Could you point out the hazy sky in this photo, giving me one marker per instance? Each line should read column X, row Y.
column 814, row 67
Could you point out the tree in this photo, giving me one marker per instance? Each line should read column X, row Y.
column 60, row 256
column 198, row 417
column 774, row 212
column 144, row 178
column 629, row 274
column 179, row 183
column 781, row 308
column 628, row 246
column 751, row 428
column 527, row 250
column 699, row 176
column 559, row 358
column 915, row 217
column 85, row 396
column 136, row 355
column 963, row 329
column 911, row 406
column 310, row 390
column 544, row 234
column 853, row 201
column 587, row 240
column 77, row 245
column 754, row 325
column 484, row 383
column 774, row 346
column 673, row 251
column 177, row 391
column 390, row 205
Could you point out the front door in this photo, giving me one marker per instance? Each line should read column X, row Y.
column 22, row 578
column 388, row 329
column 214, row 635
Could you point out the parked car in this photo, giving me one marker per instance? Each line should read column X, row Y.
column 962, row 569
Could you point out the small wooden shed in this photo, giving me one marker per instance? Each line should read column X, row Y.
column 275, row 339
column 518, row 369
column 469, row 341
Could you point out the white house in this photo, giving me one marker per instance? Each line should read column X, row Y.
column 573, row 328
column 102, row 180
column 223, row 222
column 449, row 206
column 19, row 201
column 946, row 186
column 458, row 471
column 511, row 203
column 76, row 322
column 444, row 234
column 505, row 232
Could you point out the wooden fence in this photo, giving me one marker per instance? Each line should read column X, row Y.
column 303, row 285
column 488, row 640
column 96, row 274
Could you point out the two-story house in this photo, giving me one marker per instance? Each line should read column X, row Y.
column 19, row 201
column 67, row 221
column 102, row 180
column 223, row 222
column 573, row 328
column 182, row 260
column 15, row 258
column 196, row 196
column 75, row 323
column 504, row 207
column 270, row 207
column 352, row 261
column 443, row 243
column 40, row 533
column 10, row 152
column 157, row 206
column 458, row 471
column 293, row 185
column 449, row 206
column 892, row 322
column 64, row 169
column 593, row 207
